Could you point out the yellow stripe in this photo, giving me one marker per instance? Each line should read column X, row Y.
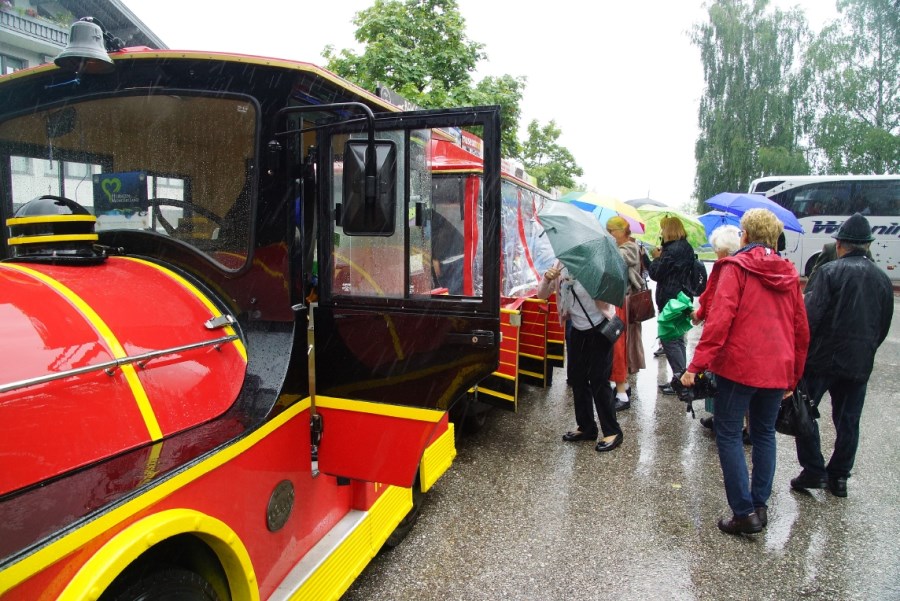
column 48, row 219
column 437, row 459
column 538, row 357
column 241, row 349
column 497, row 374
column 45, row 239
column 362, row 272
column 414, row 413
column 533, row 374
column 58, row 549
column 124, row 548
column 341, row 567
column 392, row 330
column 530, row 299
column 510, row 311
column 137, row 389
column 499, row 395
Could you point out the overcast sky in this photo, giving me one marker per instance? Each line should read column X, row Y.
column 621, row 79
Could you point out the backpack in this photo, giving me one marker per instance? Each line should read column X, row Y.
column 696, row 278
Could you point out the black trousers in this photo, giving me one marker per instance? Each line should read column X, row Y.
column 590, row 364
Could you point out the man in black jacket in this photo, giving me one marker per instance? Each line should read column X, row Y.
column 849, row 305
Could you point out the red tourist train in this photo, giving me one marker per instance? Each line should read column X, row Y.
column 533, row 342
column 227, row 368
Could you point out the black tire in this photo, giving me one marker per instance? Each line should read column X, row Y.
column 170, row 584
column 409, row 521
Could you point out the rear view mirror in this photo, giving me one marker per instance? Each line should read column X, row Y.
column 369, row 204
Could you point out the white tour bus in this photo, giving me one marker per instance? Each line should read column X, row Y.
column 823, row 202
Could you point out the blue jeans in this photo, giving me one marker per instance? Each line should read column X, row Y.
column 733, row 400
column 847, row 398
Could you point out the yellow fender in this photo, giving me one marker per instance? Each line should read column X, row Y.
column 109, row 561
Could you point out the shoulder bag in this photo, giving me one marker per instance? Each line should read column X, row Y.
column 610, row 327
column 639, row 306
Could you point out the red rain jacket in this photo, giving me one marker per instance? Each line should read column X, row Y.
column 756, row 332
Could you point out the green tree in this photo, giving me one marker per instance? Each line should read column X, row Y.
column 553, row 165
column 419, row 48
column 753, row 111
column 856, row 62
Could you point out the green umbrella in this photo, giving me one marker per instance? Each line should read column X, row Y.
column 652, row 215
column 675, row 318
column 586, row 249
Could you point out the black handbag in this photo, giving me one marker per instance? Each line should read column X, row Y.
column 796, row 414
column 610, row 327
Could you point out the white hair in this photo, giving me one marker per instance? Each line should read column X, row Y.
column 725, row 238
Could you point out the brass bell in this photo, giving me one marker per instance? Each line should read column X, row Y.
column 86, row 50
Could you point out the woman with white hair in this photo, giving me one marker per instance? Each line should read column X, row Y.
column 724, row 240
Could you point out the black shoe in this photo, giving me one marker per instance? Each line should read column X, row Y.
column 838, row 486
column 749, row 524
column 602, row 446
column 805, row 481
column 667, row 390
column 622, row 405
column 578, row 435
column 659, row 352
column 763, row 514
column 746, row 436
column 706, row 422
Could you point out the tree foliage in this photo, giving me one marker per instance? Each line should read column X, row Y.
column 552, row 164
column 753, row 110
column 856, row 62
column 419, row 49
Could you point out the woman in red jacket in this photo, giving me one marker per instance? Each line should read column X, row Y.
column 754, row 341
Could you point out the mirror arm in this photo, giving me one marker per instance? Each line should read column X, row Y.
column 371, row 164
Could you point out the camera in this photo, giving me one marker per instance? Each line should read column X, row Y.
column 704, row 387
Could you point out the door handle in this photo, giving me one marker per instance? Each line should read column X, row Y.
column 476, row 338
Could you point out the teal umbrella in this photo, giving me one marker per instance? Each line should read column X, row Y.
column 675, row 318
column 586, row 249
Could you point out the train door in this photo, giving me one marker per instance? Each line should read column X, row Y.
column 386, row 331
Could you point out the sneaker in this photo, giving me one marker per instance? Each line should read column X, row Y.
column 668, row 390
column 660, row 352
column 707, row 422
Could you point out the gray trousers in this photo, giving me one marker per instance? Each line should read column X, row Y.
column 676, row 354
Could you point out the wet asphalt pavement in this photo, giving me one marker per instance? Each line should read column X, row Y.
column 522, row 515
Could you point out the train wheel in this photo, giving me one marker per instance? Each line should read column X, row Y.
column 410, row 520
column 170, row 583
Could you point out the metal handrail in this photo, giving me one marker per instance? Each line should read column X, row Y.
column 110, row 366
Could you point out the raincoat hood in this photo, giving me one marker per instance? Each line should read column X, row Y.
column 774, row 271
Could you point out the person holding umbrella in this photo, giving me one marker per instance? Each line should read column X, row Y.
column 755, row 342
column 589, row 279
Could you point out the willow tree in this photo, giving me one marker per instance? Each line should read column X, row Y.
column 753, row 112
column 419, row 48
column 856, row 62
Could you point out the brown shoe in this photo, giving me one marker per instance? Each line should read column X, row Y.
column 763, row 514
column 749, row 524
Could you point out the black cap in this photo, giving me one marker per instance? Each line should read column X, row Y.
column 856, row 229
